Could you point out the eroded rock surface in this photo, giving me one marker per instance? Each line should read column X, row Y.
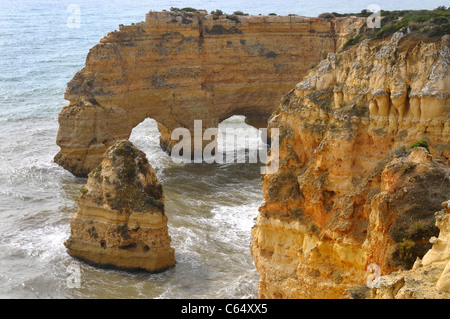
column 120, row 221
column 350, row 192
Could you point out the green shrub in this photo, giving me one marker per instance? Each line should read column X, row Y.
column 390, row 29
column 420, row 18
column 364, row 13
column 97, row 171
column 353, row 41
column 440, row 20
column 326, row 15
column 442, row 8
column 185, row 10
column 189, row 9
column 233, row 18
column 217, row 12
column 420, row 143
column 83, row 191
column 408, row 167
column 406, row 248
column 439, row 31
column 122, row 150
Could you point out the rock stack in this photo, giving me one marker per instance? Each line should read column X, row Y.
column 120, row 221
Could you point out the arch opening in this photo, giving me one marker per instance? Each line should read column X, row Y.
column 241, row 142
column 232, row 141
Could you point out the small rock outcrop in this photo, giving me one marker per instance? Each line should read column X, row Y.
column 120, row 221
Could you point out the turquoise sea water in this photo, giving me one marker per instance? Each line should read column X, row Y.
column 210, row 207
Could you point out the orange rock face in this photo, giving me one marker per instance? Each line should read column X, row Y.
column 350, row 192
column 120, row 221
column 181, row 67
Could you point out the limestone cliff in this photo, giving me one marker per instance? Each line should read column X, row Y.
column 353, row 189
column 179, row 67
column 120, row 221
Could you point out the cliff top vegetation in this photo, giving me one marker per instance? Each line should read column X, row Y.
column 428, row 23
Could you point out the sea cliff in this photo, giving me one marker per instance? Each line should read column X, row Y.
column 364, row 165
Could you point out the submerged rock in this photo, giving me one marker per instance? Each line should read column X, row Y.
column 120, row 221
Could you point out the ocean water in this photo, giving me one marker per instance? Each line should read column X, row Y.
column 211, row 208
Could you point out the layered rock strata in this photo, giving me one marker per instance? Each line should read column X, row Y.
column 179, row 67
column 120, row 221
column 350, row 191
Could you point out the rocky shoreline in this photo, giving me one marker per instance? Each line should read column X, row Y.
column 363, row 150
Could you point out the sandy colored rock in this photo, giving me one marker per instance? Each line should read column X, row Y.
column 443, row 284
column 350, row 192
column 120, row 221
column 179, row 67
column 441, row 245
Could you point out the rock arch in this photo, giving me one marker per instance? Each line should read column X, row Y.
column 179, row 67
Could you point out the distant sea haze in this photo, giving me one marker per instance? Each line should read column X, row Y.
column 210, row 207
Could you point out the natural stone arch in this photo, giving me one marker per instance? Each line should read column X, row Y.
column 146, row 137
column 245, row 137
column 177, row 68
